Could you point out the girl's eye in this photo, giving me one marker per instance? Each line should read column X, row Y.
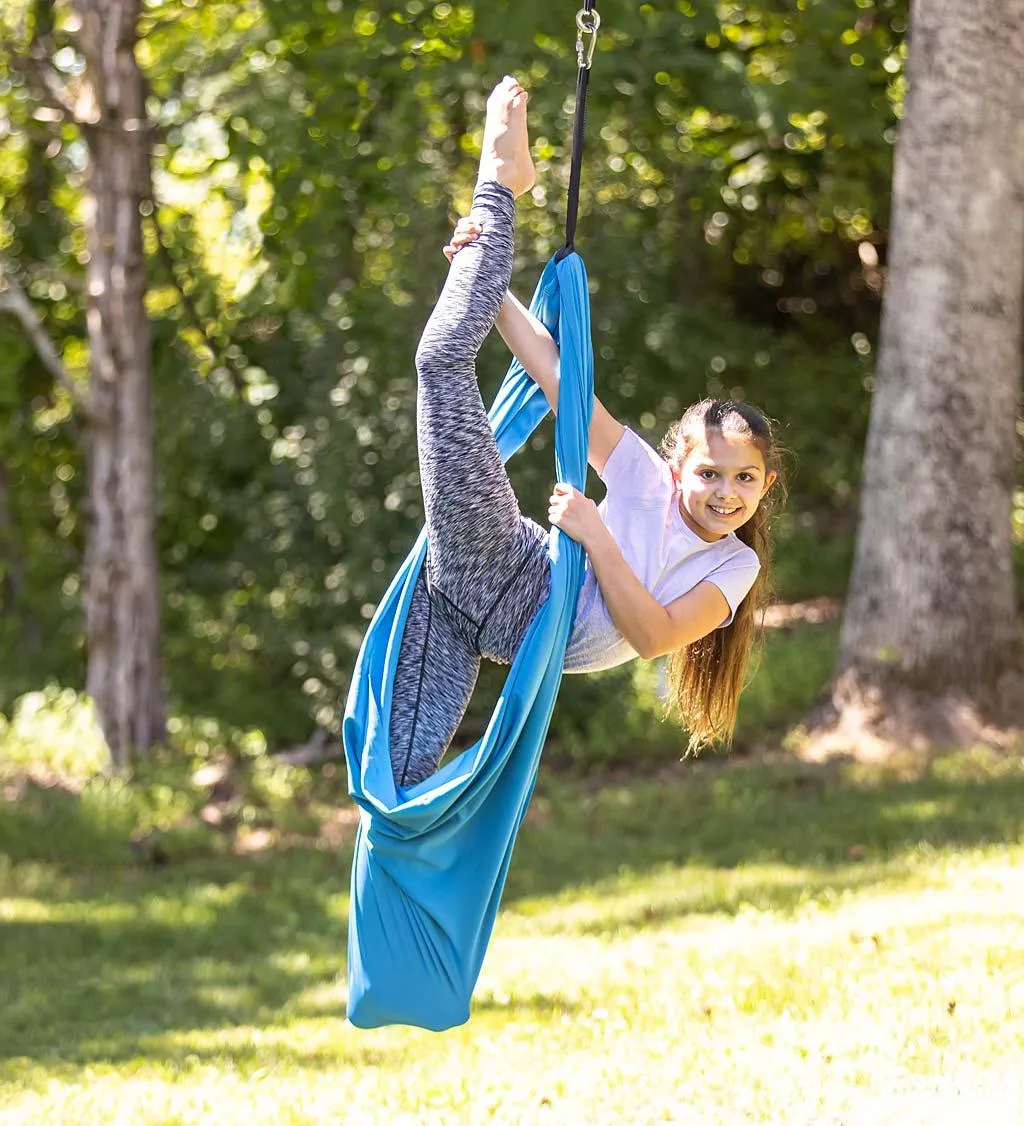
column 707, row 474
column 746, row 477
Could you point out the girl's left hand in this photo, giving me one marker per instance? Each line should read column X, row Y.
column 574, row 512
column 467, row 230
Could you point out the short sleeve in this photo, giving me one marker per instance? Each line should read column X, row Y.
column 634, row 467
column 734, row 577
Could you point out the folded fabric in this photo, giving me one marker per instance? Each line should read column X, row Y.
column 431, row 859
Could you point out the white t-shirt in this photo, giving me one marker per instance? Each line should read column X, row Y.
column 641, row 510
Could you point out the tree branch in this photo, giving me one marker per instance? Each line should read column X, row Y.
column 14, row 300
column 191, row 312
column 320, row 749
column 42, row 82
column 47, row 87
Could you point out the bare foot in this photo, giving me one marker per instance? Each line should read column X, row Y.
column 505, row 155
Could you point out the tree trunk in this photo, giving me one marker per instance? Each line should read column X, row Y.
column 121, row 588
column 930, row 641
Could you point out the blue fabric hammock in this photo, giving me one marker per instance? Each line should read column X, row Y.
column 431, row 859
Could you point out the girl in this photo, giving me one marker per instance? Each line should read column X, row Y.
column 676, row 553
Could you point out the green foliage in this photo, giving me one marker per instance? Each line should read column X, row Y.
column 66, row 805
column 775, row 321
column 40, row 464
column 618, row 719
column 795, row 666
column 812, row 556
column 53, row 731
column 62, row 827
column 310, row 159
column 614, row 719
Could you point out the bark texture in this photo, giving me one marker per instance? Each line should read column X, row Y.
column 121, row 589
column 930, row 628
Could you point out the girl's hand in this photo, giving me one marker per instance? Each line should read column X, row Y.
column 466, row 231
column 575, row 513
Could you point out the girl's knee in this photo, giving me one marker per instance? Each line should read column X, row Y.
column 430, row 355
column 441, row 353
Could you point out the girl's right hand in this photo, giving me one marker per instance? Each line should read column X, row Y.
column 467, row 230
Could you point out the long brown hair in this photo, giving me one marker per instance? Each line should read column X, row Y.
column 706, row 677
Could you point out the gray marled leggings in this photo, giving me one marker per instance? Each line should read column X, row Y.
column 486, row 573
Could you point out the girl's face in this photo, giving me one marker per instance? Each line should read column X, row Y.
column 721, row 482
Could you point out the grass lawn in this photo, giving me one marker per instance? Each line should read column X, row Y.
column 751, row 943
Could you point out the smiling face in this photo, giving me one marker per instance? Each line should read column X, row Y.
column 721, row 482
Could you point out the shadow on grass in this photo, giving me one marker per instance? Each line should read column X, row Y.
column 111, row 963
column 187, row 991
column 531, row 1005
column 781, row 895
column 840, row 832
column 130, row 955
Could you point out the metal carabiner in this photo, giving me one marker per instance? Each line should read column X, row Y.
column 587, row 24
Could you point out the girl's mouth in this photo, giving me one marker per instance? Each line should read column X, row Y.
column 725, row 513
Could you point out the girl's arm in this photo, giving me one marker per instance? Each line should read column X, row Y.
column 651, row 629
column 533, row 346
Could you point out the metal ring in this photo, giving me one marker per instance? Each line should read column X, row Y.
column 591, row 28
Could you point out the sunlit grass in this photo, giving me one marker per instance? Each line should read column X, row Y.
column 746, row 944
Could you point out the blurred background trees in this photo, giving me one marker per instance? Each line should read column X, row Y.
column 308, row 162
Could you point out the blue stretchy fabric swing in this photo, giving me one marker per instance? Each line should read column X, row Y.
column 430, row 861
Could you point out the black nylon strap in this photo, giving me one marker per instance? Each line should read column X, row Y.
column 579, row 126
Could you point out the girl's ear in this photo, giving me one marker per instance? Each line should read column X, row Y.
column 769, row 480
column 674, row 467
